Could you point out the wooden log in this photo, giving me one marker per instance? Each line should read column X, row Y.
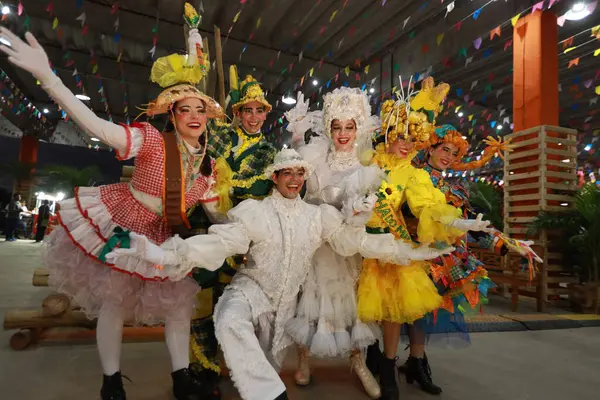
column 220, row 89
column 22, row 339
column 40, row 277
column 56, row 305
column 22, row 318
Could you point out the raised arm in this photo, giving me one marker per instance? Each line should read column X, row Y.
column 31, row 57
column 348, row 240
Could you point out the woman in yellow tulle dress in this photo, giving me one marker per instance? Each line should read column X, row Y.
column 397, row 294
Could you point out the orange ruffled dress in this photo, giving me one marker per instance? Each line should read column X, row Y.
column 404, row 293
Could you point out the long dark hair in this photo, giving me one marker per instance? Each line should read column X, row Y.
column 206, row 165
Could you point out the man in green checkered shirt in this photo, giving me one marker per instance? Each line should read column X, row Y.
column 248, row 153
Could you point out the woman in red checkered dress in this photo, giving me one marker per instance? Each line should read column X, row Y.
column 99, row 218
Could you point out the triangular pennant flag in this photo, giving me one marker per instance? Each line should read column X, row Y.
column 311, row 72
column 573, row 62
column 367, row 69
column 347, row 70
column 538, row 6
column 425, row 48
column 552, row 3
column 476, row 13
column 598, row 90
column 560, row 21
column 596, row 52
column 593, row 101
column 81, row 18
column 468, row 61
column 567, row 42
column 55, row 23
column 502, row 112
column 471, row 117
column 514, row 19
column 596, row 31
column 449, row 8
column 462, row 52
column 333, row 14
column 477, row 43
column 473, row 84
column 499, row 92
column 508, row 44
column 506, row 120
column 569, row 49
column 588, row 83
column 439, row 38
column 495, row 32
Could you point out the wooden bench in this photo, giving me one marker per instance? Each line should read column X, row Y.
column 502, row 274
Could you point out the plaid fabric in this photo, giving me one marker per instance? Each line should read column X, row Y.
column 249, row 164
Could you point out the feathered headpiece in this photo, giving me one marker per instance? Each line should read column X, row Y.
column 449, row 134
column 180, row 73
column 348, row 103
column 414, row 113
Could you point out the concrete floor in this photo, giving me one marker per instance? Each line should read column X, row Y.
column 548, row 365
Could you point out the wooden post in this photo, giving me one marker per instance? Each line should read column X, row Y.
column 220, row 81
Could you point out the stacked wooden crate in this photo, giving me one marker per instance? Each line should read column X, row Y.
column 540, row 174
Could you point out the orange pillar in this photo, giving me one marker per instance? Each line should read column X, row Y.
column 28, row 154
column 535, row 103
column 535, row 67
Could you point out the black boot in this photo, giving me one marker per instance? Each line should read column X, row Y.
column 402, row 367
column 387, row 379
column 186, row 387
column 282, row 396
column 373, row 358
column 112, row 387
column 418, row 370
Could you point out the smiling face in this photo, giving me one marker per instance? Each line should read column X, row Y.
column 402, row 147
column 253, row 116
column 189, row 117
column 443, row 156
column 343, row 134
column 289, row 181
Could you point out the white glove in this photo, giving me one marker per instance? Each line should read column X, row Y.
column 475, row 225
column 31, row 57
column 144, row 249
column 298, row 123
column 364, row 204
column 405, row 252
column 525, row 249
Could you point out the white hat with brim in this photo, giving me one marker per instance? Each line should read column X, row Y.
column 288, row 158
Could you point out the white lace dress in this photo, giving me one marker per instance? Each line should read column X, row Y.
column 327, row 305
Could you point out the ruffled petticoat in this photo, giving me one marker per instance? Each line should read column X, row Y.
column 75, row 248
column 395, row 293
column 326, row 321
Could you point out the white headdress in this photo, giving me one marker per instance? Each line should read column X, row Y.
column 288, row 158
column 349, row 103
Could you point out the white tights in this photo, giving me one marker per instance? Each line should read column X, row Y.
column 109, row 334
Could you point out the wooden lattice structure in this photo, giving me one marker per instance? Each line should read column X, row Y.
column 541, row 174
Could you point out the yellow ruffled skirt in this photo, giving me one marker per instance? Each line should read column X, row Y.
column 394, row 293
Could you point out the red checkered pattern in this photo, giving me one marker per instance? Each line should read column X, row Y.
column 147, row 177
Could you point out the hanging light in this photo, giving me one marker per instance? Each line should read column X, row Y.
column 94, row 139
column 460, row 114
column 587, row 147
column 315, row 82
column 372, row 90
column 499, row 127
column 580, row 10
column 5, row 10
column 287, row 99
column 46, row 111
